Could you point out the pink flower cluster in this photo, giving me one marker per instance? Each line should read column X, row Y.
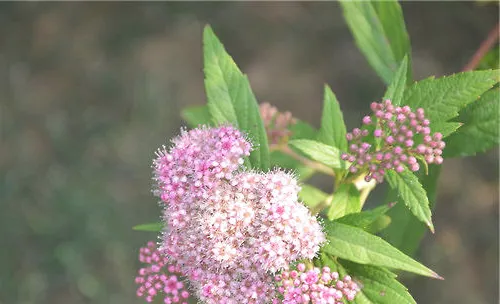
column 405, row 136
column 227, row 230
column 159, row 277
column 199, row 159
column 276, row 123
column 315, row 286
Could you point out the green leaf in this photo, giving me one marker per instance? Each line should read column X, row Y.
column 345, row 201
column 480, row 130
column 302, row 130
column 365, row 218
column 196, row 115
column 379, row 285
column 155, row 227
column 380, row 224
column 230, row 98
column 312, row 196
column 397, row 87
column 357, row 245
column 490, row 60
column 332, row 131
column 380, row 34
column 320, row 152
column 442, row 98
column 445, row 128
column 406, row 231
column 412, row 193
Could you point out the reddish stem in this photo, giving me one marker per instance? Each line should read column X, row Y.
column 485, row 46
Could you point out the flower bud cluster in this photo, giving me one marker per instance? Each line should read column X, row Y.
column 227, row 230
column 276, row 123
column 315, row 286
column 404, row 136
column 159, row 277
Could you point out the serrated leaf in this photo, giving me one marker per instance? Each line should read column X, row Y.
column 230, row 98
column 397, row 87
column 333, row 130
column 317, row 151
column 380, row 34
column 345, row 201
column 442, row 98
column 445, row 128
column 154, row 227
column 406, row 231
column 312, row 196
column 412, row 193
column 356, row 245
column 196, row 115
column 480, row 130
column 379, row 285
column 365, row 218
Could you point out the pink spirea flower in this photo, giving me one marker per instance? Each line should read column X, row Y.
column 315, row 286
column 399, row 130
column 159, row 277
column 197, row 161
column 227, row 230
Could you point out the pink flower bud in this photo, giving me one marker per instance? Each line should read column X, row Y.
column 367, row 120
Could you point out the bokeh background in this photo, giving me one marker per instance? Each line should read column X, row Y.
column 88, row 91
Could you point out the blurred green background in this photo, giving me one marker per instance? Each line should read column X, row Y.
column 90, row 90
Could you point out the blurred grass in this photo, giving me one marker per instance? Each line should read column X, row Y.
column 88, row 91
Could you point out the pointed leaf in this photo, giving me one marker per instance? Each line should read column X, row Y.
column 480, row 130
column 380, row 34
column 155, row 227
column 230, row 98
column 442, row 98
column 406, row 231
column 379, row 285
column 357, row 245
column 397, row 87
column 320, row 152
column 412, row 193
column 345, row 201
column 332, row 131
column 445, row 128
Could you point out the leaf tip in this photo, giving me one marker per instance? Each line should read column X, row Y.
column 208, row 32
column 437, row 276
column 430, row 225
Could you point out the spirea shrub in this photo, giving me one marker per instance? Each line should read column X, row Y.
column 242, row 223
